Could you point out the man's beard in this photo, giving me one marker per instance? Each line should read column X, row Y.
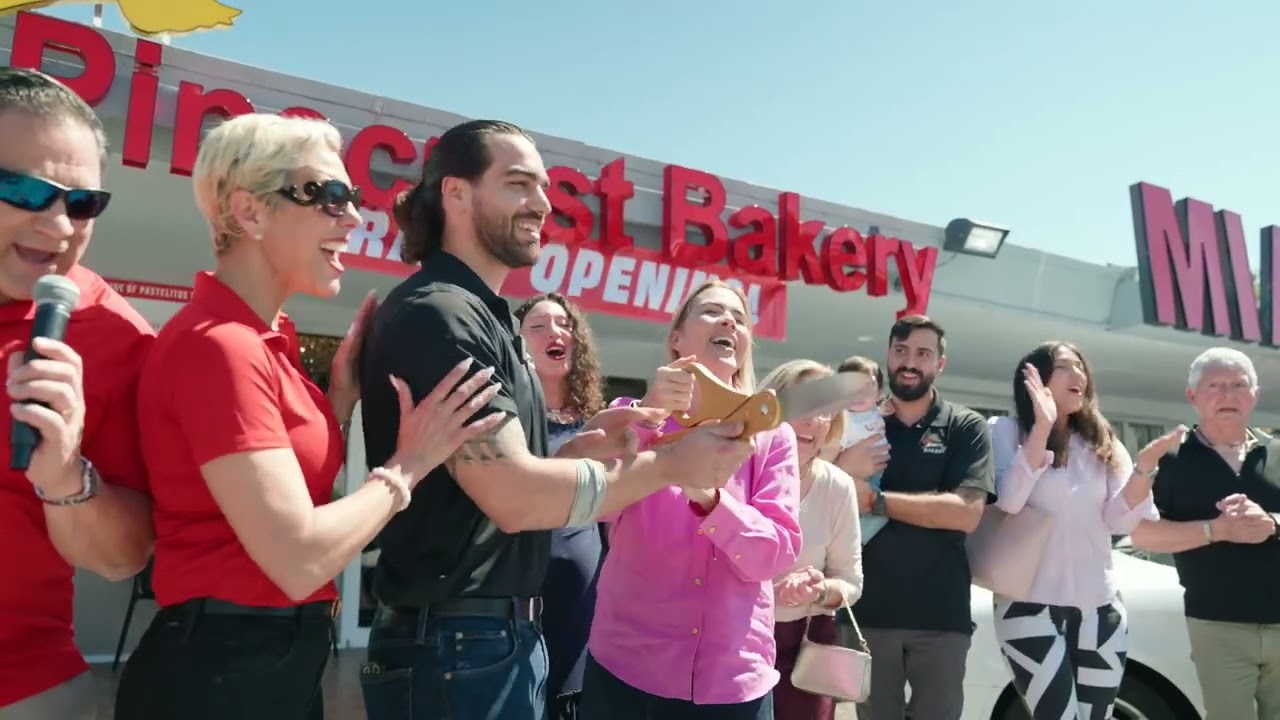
column 498, row 237
column 907, row 393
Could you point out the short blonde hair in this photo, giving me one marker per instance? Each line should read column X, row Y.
column 256, row 152
column 794, row 371
column 745, row 378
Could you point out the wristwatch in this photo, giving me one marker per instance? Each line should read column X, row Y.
column 1145, row 474
column 88, row 490
column 877, row 504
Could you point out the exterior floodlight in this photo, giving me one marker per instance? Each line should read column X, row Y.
column 974, row 238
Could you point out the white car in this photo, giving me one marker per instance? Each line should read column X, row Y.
column 1159, row 679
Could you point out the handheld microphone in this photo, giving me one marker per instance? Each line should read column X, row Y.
column 55, row 297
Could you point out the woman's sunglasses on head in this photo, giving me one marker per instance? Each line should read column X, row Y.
column 331, row 196
column 35, row 194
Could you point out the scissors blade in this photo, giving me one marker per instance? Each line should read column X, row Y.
column 824, row 396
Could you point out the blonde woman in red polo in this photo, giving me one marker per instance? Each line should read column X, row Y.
column 243, row 450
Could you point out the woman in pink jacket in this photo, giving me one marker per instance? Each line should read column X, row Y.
column 684, row 609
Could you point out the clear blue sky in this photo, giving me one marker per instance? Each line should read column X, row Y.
column 1032, row 114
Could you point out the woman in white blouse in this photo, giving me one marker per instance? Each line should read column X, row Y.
column 1066, row 640
column 828, row 572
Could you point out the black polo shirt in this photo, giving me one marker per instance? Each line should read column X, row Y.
column 916, row 578
column 443, row 546
column 1224, row 581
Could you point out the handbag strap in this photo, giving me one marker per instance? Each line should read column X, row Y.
column 853, row 621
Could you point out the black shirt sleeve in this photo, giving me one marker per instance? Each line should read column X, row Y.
column 1162, row 487
column 429, row 335
column 969, row 459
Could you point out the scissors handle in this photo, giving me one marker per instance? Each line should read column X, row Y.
column 718, row 401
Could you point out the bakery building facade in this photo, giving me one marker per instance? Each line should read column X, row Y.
column 630, row 236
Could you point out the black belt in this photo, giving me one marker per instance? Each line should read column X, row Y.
column 512, row 608
column 211, row 606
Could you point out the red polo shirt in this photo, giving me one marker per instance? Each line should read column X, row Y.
column 37, row 643
column 221, row 382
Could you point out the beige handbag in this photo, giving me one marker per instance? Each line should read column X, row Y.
column 837, row 672
column 1005, row 550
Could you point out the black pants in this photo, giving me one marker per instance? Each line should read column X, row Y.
column 605, row 697
column 564, row 707
column 214, row 667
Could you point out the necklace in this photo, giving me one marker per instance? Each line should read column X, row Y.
column 564, row 417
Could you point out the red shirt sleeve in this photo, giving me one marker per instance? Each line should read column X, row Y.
column 111, row 439
column 226, row 392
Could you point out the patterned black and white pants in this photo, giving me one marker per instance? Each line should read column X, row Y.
column 1066, row 663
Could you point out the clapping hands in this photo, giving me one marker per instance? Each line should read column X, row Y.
column 1243, row 521
column 799, row 587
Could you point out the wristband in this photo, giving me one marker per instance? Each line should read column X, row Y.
column 589, row 495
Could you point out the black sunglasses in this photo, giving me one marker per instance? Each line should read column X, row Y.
column 34, row 194
column 331, row 196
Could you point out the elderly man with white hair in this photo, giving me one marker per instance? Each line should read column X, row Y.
column 1219, row 500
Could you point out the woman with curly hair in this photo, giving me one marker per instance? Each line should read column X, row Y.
column 564, row 355
column 1066, row 638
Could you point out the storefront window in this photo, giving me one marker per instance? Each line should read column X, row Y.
column 616, row 387
column 1143, row 434
column 317, row 356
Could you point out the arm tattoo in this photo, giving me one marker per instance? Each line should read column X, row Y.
column 483, row 448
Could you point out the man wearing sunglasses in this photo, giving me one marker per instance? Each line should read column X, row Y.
column 82, row 501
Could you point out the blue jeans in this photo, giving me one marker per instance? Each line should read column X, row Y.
column 454, row 668
column 872, row 524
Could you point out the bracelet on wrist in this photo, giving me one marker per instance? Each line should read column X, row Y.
column 1145, row 474
column 397, row 483
column 90, row 481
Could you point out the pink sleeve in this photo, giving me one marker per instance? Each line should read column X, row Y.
column 1116, row 512
column 1015, row 478
column 761, row 536
column 645, row 435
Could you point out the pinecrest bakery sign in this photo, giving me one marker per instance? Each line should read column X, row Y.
column 587, row 253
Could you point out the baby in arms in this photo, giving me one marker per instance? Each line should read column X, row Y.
column 861, row 421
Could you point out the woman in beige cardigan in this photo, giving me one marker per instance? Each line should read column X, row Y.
column 828, row 571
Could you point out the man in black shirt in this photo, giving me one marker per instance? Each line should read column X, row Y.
column 456, row 633
column 914, row 610
column 1219, row 501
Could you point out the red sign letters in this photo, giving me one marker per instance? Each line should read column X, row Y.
column 1188, row 254
column 774, row 246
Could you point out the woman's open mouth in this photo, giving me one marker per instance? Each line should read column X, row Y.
column 556, row 351
column 725, row 342
column 332, row 251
